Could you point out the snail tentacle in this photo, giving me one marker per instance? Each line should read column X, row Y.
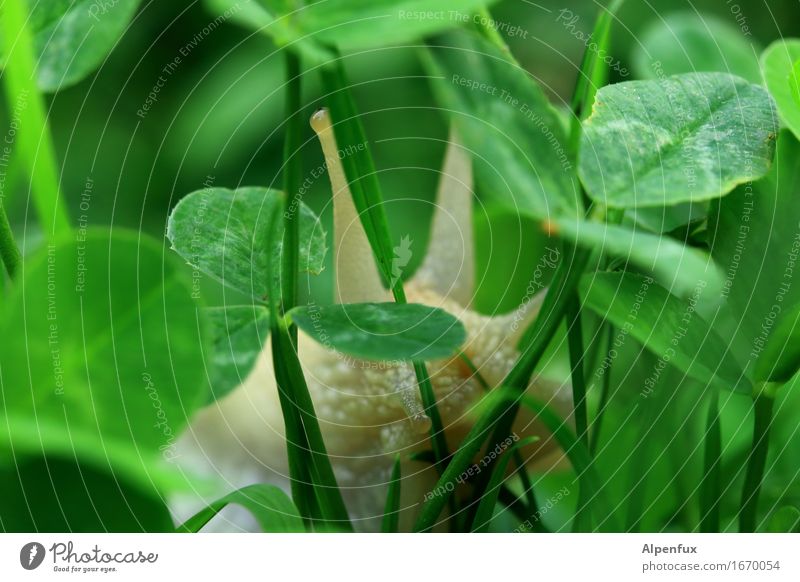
column 357, row 278
column 449, row 266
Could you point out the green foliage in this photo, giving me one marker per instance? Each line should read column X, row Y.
column 780, row 70
column 365, row 189
column 238, row 334
column 780, row 359
column 223, row 233
column 391, row 513
column 359, row 169
column 687, row 42
column 314, row 485
column 483, row 516
column 518, row 145
column 667, row 326
column 118, row 331
column 581, row 460
column 72, row 38
column 677, row 267
column 108, row 355
column 383, row 331
column 594, row 71
column 754, row 237
column 785, row 520
column 679, row 139
column 74, row 496
column 317, row 29
column 110, row 348
column 273, row 510
column 31, row 141
column 794, row 83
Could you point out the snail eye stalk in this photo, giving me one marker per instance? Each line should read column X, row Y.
column 356, row 274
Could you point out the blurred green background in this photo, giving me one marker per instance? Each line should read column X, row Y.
column 219, row 117
column 220, row 114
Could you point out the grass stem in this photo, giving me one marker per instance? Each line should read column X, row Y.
column 9, row 251
column 576, row 359
column 605, row 392
column 711, row 486
column 292, row 182
column 499, row 416
column 762, row 407
column 34, row 142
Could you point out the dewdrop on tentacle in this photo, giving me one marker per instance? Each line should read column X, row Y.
column 371, row 411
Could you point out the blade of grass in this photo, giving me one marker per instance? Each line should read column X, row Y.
column 292, row 182
column 34, row 142
column 297, row 448
column 514, row 504
column 366, row 191
column 491, row 33
column 593, row 73
column 360, row 170
column 314, row 486
column 391, row 512
column 485, row 511
column 522, row 469
column 581, row 521
column 500, row 414
column 576, row 356
column 641, row 464
column 579, row 457
column 274, row 511
column 536, row 339
column 9, row 252
column 711, row 486
column 762, row 407
column 302, row 482
column 605, row 389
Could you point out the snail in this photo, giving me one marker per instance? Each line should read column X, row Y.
column 371, row 411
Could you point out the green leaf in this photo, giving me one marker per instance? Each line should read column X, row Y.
column 383, row 331
column 785, row 520
column 664, row 219
column 391, row 512
column 685, row 138
column 781, row 74
column 518, row 144
column 61, row 495
column 348, row 25
column 271, row 507
column 222, row 233
column 754, row 235
column 72, row 38
column 25, row 436
column 679, row 268
column 107, row 341
column 483, row 516
column 688, row 42
column 794, row 84
column 105, row 370
column 238, row 336
column 780, row 359
column 667, row 326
